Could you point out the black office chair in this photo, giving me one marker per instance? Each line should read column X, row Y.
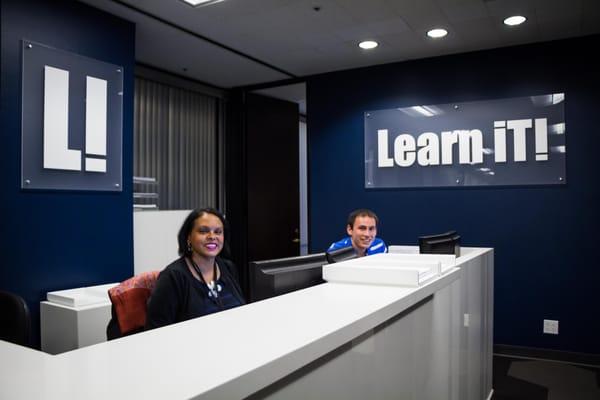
column 343, row 254
column 15, row 320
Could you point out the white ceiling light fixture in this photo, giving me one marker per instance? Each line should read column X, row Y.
column 201, row 3
column 368, row 44
column 437, row 33
column 515, row 20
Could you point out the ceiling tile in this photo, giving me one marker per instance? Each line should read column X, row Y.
column 290, row 35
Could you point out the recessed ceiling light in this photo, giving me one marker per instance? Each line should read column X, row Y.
column 515, row 20
column 368, row 44
column 437, row 33
column 198, row 3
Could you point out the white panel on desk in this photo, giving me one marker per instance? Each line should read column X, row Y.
column 81, row 297
column 155, row 238
column 382, row 269
column 400, row 261
column 411, row 275
column 398, row 249
column 447, row 260
column 372, row 275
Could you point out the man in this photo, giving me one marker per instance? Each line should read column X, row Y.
column 362, row 229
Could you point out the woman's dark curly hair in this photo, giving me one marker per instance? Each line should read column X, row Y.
column 188, row 225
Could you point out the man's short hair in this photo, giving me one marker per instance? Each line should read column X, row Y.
column 361, row 212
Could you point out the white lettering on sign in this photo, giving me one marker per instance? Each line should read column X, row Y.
column 500, row 141
column 383, row 160
column 57, row 154
column 428, row 146
column 449, row 139
column 429, row 152
column 404, row 150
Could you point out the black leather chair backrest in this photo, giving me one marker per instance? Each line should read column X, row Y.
column 343, row 254
column 15, row 321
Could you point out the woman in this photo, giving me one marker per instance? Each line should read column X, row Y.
column 199, row 282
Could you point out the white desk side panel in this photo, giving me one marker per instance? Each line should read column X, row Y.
column 74, row 318
column 58, row 328
column 413, row 355
column 64, row 328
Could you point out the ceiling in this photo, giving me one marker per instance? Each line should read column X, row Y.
column 245, row 42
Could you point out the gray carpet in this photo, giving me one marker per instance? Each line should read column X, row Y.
column 520, row 379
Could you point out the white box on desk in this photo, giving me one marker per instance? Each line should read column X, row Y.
column 382, row 269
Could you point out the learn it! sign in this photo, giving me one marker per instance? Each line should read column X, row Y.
column 517, row 141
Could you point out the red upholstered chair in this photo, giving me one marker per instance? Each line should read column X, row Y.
column 129, row 304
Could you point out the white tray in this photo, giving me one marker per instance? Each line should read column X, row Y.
column 384, row 269
column 81, row 296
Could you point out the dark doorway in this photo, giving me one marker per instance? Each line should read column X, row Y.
column 272, row 178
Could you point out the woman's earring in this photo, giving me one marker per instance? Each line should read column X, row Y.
column 189, row 247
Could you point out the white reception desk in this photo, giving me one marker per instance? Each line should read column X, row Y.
column 335, row 340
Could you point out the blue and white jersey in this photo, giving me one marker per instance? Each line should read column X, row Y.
column 378, row 246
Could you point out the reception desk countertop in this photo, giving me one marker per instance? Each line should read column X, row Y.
column 229, row 355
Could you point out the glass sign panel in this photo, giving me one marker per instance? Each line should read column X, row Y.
column 516, row 141
column 72, row 118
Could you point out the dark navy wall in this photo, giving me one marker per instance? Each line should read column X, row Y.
column 58, row 240
column 545, row 237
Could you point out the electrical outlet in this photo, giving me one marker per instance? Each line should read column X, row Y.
column 551, row 326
